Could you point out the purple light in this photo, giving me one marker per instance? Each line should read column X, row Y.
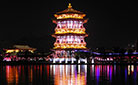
column 110, row 53
column 135, row 53
column 126, row 53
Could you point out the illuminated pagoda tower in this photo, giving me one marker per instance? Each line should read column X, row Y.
column 69, row 32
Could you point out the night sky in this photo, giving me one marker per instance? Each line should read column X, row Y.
column 111, row 24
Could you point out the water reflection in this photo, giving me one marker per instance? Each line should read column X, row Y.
column 68, row 74
column 12, row 74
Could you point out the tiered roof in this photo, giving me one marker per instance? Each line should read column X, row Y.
column 69, row 10
column 69, row 13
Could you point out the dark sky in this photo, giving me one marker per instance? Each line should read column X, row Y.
column 30, row 22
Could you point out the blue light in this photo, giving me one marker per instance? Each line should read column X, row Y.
column 110, row 53
column 126, row 53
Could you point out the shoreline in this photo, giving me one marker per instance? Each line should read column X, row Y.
column 50, row 63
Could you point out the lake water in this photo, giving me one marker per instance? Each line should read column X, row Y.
column 69, row 75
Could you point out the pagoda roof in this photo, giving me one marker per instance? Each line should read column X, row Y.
column 71, row 49
column 21, row 47
column 69, row 10
column 54, row 35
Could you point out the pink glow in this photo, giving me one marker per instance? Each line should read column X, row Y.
column 70, row 41
column 7, row 59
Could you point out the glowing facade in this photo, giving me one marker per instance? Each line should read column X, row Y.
column 69, row 32
column 20, row 48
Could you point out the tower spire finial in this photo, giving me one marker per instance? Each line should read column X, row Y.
column 69, row 5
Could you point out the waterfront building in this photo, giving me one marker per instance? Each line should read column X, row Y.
column 18, row 52
column 69, row 32
column 20, row 48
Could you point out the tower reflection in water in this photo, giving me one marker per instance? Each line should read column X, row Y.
column 68, row 74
